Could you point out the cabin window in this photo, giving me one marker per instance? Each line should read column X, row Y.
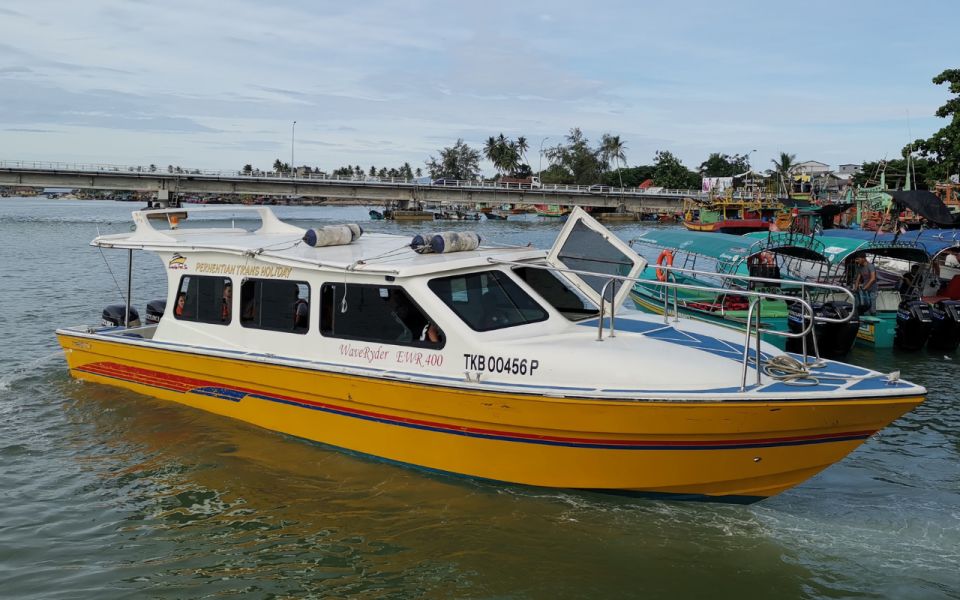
column 376, row 313
column 488, row 300
column 275, row 305
column 587, row 250
column 558, row 293
column 204, row 299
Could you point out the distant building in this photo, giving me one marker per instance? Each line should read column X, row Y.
column 811, row 167
column 849, row 169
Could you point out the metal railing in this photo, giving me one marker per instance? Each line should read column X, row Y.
column 173, row 172
column 752, row 329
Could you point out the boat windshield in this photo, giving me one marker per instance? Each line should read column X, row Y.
column 487, row 300
column 558, row 293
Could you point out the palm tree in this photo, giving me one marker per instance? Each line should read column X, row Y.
column 522, row 147
column 492, row 151
column 612, row 147
column 784, row 169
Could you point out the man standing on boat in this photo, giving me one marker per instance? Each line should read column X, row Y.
column 865, row 285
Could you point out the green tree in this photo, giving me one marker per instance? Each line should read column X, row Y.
column 613, row 148
column 522, row 146
column 247, row 169
column 628, row 176
column 669, row 172
column 943, row 147
column 783, row 170
column 459, row 161
column 724, row 165
column 581, row 163
column 505, row 154
column 922, row 170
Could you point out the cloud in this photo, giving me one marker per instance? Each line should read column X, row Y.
column 217, row 83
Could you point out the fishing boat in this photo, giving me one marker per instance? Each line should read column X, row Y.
column 375, row 215
column 792, row 265
column 915, row 302
column 734, row 215
column 507, row 364
column 551, row 210
column 457, row 215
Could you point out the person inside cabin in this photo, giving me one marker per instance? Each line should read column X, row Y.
column 226, row 304
column 400, row 312
column 301, row 311
column 909, row 282
column 431, row 333
column 180, row 307
column 950, row 260
column 248, row 299
column 865, row 284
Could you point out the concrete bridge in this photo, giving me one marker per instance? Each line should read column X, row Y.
column 170, row 184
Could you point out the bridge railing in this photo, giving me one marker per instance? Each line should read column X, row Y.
column 173, row 172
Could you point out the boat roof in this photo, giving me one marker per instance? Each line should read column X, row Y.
column 720, row 246
column 934, row 241
column 165, row 230
column 727, row 247
column 841, row 243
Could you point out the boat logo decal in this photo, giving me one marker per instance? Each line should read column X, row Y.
column 274, row 271
column 178, row 262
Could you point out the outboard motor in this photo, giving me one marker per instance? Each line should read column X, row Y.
column 113, row 316
column 914, row 322
column 155, row 310
column 796, row 321
column 838, row 338
column 834, row 340
column 945, row 333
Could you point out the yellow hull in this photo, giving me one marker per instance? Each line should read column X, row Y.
column 741, row 451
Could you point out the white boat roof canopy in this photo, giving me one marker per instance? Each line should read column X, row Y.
column 281, row 243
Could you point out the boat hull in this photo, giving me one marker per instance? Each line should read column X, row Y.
column 732, row 226
column 732, row 451
column 877, row 332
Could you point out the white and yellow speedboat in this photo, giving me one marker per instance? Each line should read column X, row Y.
column 484, row 362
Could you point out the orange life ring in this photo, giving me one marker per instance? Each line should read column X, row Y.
column 665, row 257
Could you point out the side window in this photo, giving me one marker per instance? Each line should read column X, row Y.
column 376, row 313
column 488, row 300
column 275, row 304
column 568, row 301
column 204, row 299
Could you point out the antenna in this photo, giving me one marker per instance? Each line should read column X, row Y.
column 910, row 156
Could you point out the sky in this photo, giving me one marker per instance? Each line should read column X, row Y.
column 218, row 84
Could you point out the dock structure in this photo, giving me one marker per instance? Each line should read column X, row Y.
column 171, row 184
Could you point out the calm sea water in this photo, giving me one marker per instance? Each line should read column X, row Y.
column 108, row 494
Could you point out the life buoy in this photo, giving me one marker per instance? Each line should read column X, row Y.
column 665, row 257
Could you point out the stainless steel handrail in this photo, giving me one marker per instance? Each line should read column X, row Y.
column 803, row 285
column 807, row 308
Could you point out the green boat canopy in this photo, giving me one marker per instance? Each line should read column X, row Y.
column 837, row 249
column 723, row 247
